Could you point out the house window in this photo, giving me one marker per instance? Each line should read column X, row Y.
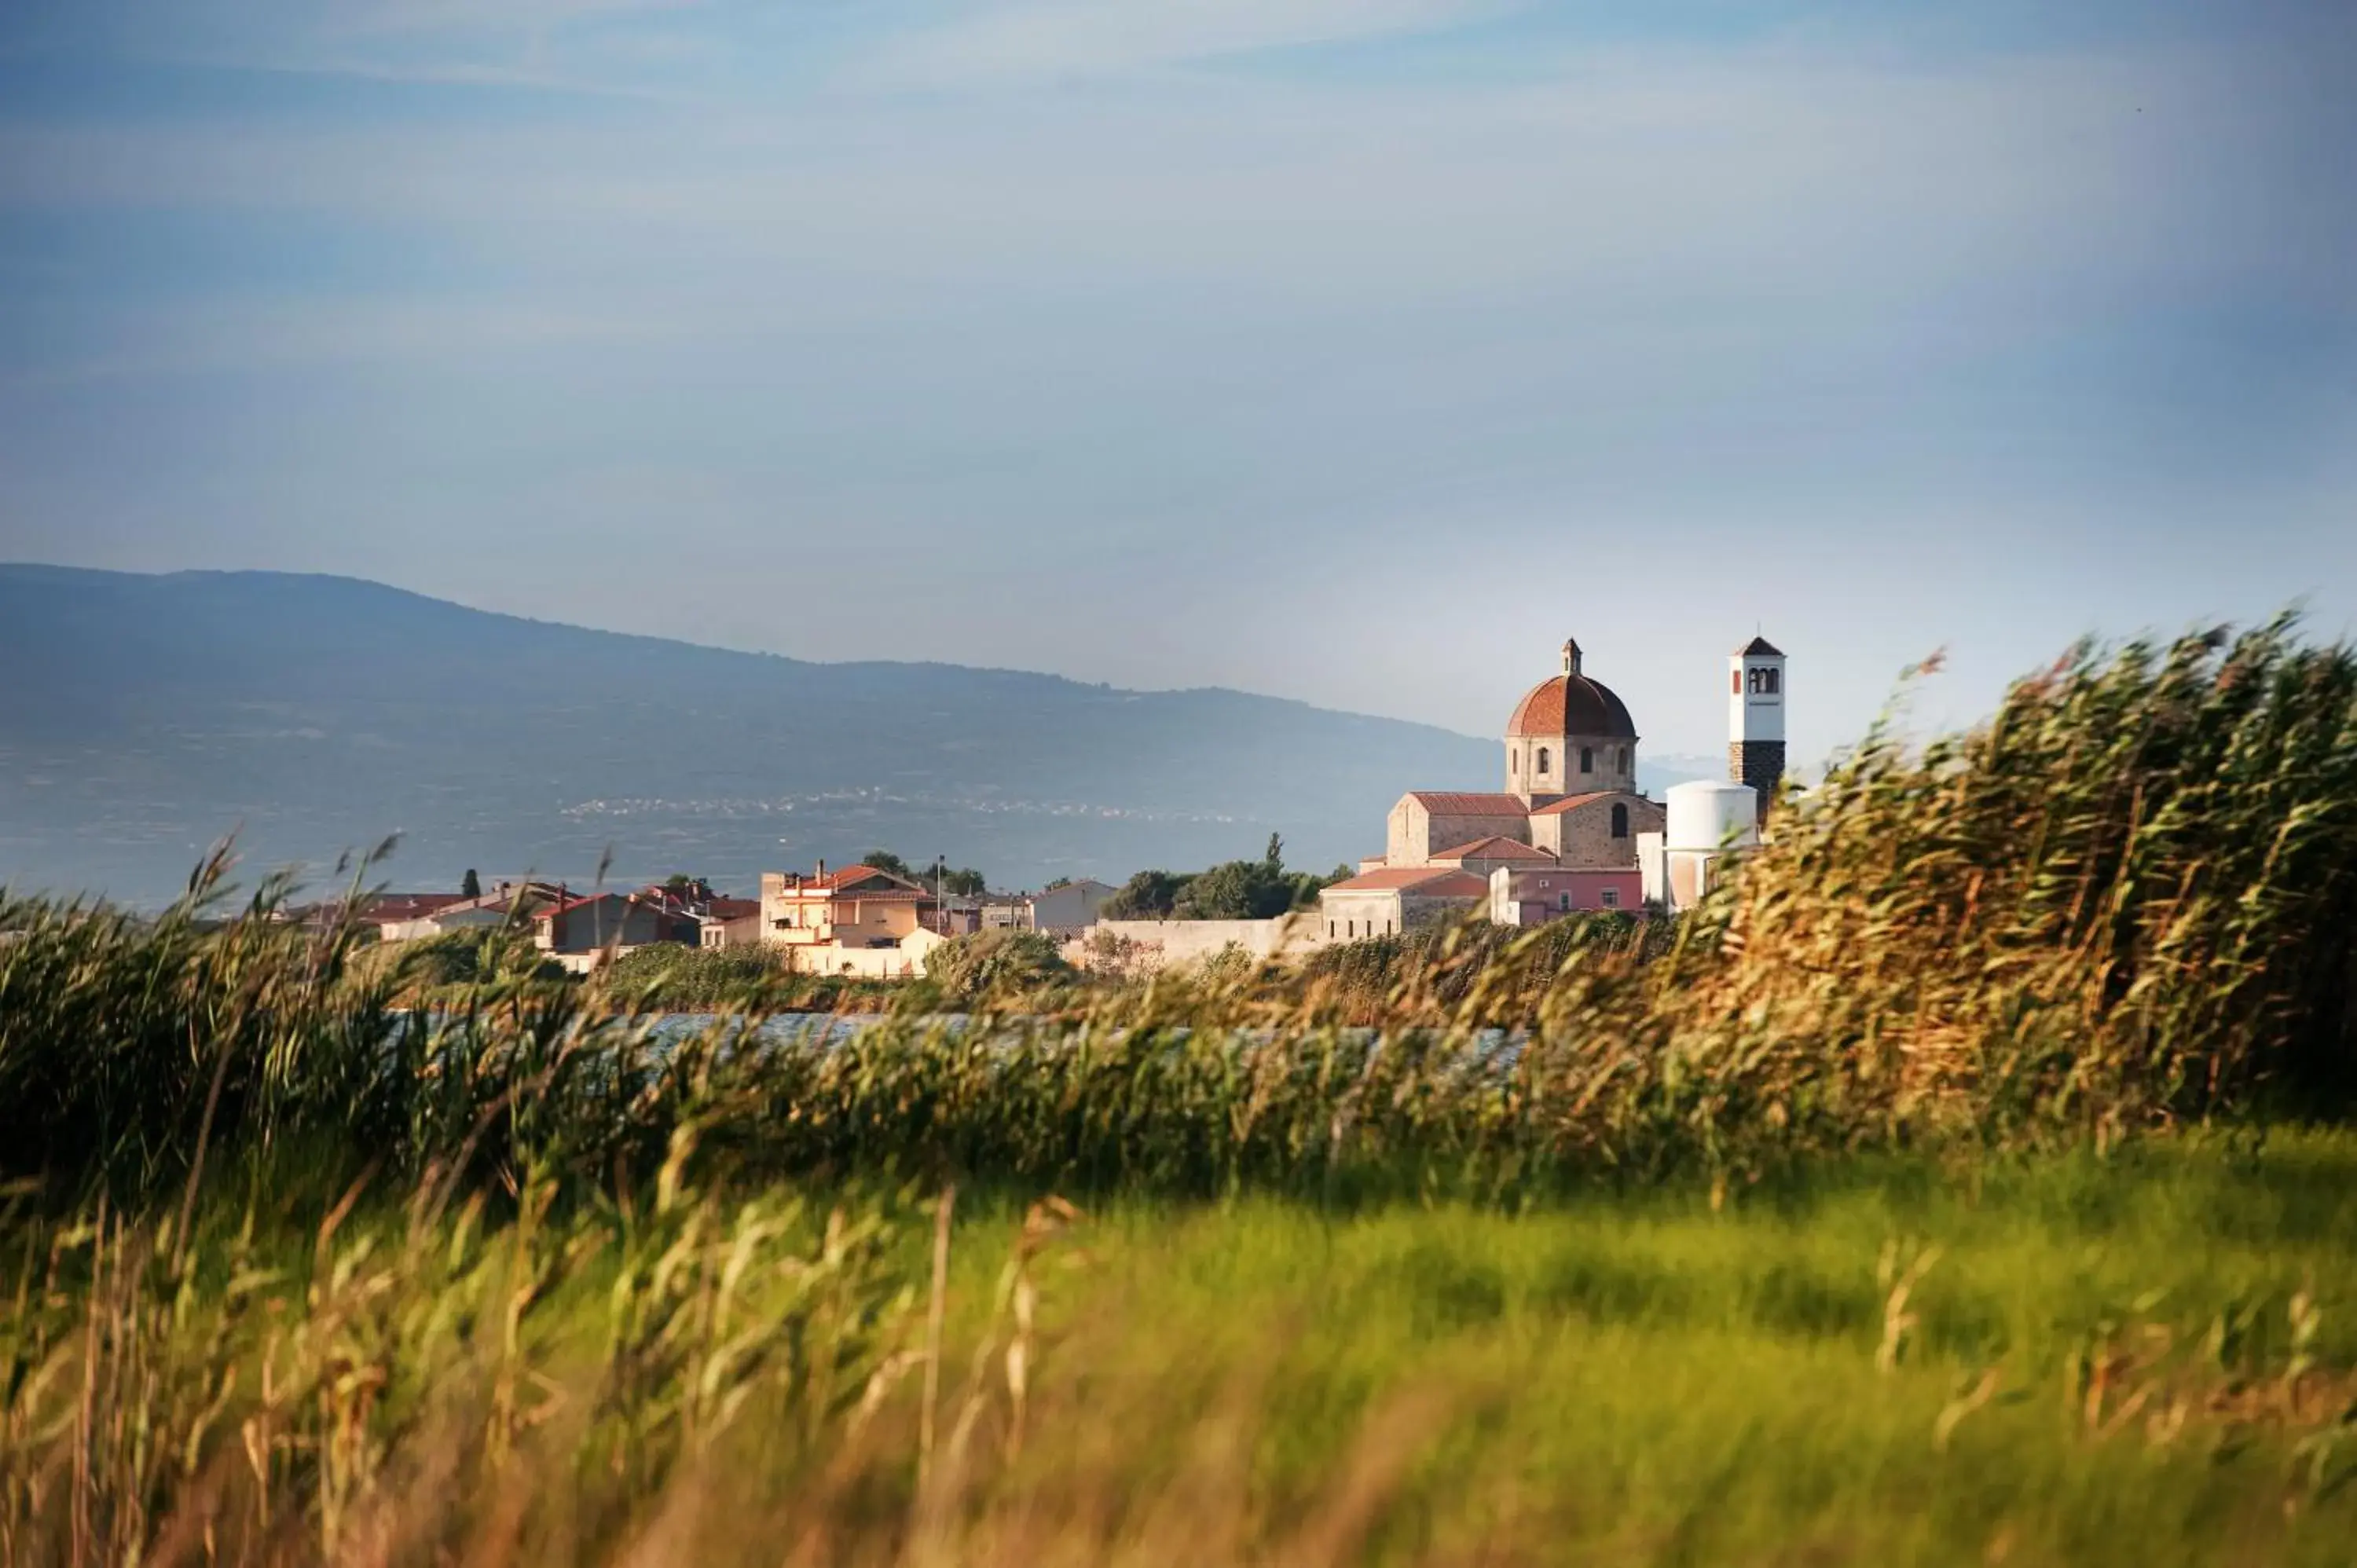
column 1587, row 760
column 1619, row 820
column 1563, row 903
column 1350, row 927
column 1542, row 760
column 1611, row 896
column 1330, row 930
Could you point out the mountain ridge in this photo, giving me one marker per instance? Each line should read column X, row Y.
column 156, row 711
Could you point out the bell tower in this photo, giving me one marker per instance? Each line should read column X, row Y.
column 1755, row 717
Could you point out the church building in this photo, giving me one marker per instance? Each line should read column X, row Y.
column 1561, row 836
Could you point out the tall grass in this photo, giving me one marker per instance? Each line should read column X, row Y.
column 2133, row 1361
column 2126, row 901
column 301, row 1272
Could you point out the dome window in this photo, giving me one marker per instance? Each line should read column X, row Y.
column 1587, row 760
column 1619, row 820
column 1542, row 762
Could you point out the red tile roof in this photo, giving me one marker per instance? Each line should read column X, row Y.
column 584, row 898
column 1456, row 885
column 848, row 877
column 1432, row 881
column 1571, row 705
column 527, row 894
column 1572, row 802
column 1497, row 846
column 1463, row 803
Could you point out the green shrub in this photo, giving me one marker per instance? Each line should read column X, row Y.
column 486, row 956
column 996, row 963
column 672, row 974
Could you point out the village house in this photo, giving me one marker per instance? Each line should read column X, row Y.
column 729, row 923
column 1391, row 899
column 383, row 913
column 582, row 932
column 1068, row 907
column 1062, row 911
column 508, row 902
column 857, row 920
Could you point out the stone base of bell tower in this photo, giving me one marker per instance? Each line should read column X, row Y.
column 1759, row 764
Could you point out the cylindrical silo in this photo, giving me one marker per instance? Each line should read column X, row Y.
column 1708, row 813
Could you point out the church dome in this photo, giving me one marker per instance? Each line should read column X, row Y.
column 1570, row 704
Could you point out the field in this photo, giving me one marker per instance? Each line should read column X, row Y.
column 2141, row 1360
column 1970, row 1181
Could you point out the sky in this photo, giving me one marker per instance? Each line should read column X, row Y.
column 1352, row 350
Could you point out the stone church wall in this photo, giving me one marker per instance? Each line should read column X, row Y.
column 1414, row 832
column 1583, row 836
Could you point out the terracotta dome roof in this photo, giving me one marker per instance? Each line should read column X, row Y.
column 1572, row 704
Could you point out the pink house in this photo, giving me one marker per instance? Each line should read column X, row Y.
column 1535, row 895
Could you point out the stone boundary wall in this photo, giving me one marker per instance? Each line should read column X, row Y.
column 906, row 962
column 1160, row 944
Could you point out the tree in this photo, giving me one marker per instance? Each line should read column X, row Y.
column 967, row 882
column 1275, row 854
column 884, row 860
column 470, row 886
column 1236, row 890
column 1147, row 896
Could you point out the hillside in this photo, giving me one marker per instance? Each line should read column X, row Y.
column 146, row 715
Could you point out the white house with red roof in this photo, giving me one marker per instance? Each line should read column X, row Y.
column 1561, row 836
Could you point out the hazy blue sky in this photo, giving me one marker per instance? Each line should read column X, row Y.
column 1348, row 349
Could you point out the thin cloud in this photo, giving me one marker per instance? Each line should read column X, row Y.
column 1049, row 38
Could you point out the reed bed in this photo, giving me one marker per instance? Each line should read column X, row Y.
column 304, row 1273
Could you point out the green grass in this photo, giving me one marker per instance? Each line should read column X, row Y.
column 2140, row 1359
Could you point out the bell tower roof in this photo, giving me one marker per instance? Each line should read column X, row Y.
column 1571, row 656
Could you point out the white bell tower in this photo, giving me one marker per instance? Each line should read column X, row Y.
column 1755, row 717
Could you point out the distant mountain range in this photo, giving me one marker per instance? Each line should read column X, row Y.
column 141, row 718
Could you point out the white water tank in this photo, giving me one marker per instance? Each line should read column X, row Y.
column 1708, row 813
